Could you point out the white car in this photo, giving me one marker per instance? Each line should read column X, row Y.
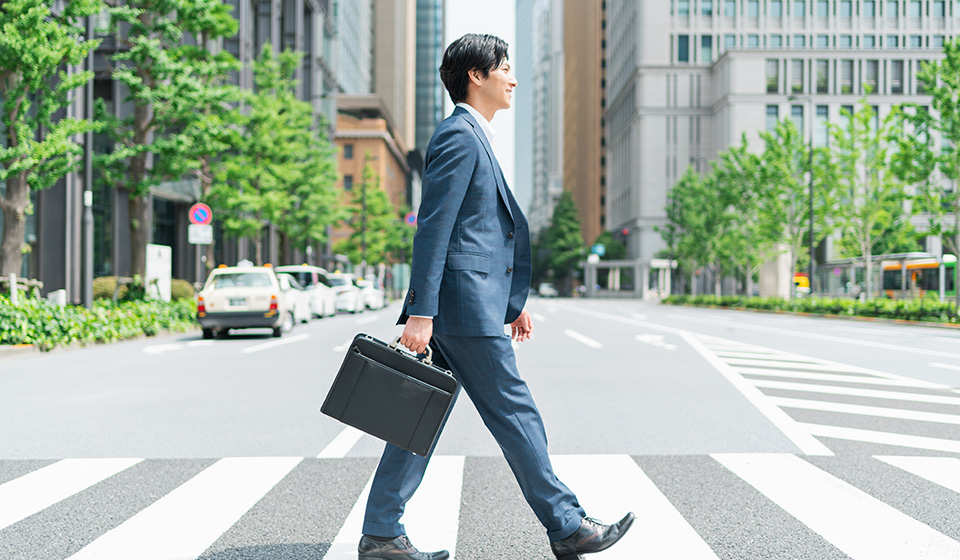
column 297, row 298
column 323, row 300
column 373, row 296
column 243, row 297
column 349, row 296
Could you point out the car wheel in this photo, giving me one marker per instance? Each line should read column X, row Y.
column 223, row 333
column 277, row 332
column 208, row 334
column 289, row 323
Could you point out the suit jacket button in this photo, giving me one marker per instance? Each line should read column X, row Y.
column 510, row 235
column 509, row 269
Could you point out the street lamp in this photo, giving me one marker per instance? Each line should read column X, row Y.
column 809, row 101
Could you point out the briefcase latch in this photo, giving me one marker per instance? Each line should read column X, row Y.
column 427, row 360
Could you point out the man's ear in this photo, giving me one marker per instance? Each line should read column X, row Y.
column 475, row 76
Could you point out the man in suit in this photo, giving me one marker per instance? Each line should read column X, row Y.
column 470, row 277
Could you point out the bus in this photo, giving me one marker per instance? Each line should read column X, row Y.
column 921, row 275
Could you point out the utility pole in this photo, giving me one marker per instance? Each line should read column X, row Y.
column 87, row 262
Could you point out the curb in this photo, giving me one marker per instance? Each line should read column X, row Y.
column 880, row 320
column 9, row 350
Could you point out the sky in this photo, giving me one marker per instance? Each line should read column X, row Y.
column 497, row 17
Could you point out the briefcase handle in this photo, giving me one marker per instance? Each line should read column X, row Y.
column 427, row 360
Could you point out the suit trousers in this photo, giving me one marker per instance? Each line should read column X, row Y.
column 486, row 368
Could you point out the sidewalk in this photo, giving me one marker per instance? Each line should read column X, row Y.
column 16, row 350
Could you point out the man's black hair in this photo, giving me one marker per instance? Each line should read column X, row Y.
column 484, row 53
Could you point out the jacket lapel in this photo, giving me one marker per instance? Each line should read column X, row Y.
column 497, row 173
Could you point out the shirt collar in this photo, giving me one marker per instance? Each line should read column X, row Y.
column 484, row 123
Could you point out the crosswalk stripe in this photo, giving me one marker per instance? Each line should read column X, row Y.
column 185, row 522
column 32, row 492
column 885, row 438
column 863, row 410
column 871, row 393
column 852, row 520
column 944, row 471
column 431, row 517
column 608, row 486
column 826, row 368
column 816, row 376
column 342, row 444
column 583, row 339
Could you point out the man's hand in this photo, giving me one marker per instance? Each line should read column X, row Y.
column 417, row 334
column 523, row 327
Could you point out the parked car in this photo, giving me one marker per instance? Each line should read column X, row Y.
column 349, row 296
column 373, row 296
column 546, row 289
column 243, row 297
column 323, row 300
column 297, row 297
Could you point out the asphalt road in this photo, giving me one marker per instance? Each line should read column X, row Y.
column 732, row 435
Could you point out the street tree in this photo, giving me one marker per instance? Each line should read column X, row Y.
column 37, row 48
column 377, row 226
column 613, row 248
column 870, row 194
column 563, row 243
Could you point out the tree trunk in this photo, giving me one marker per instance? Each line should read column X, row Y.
column 206, row 183
column 14, row 207
column 286, row 250
column 258, row 250
column 717, row 281
column 140, row 233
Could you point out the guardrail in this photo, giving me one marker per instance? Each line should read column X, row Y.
column 15, row 285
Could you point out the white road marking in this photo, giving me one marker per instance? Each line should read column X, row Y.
column 640, row 316
column 944, row 471
column 185, row 522
column 809, row 366
column 538, row 317
column 608, row 486
column 365, row 320
column 344, row 545
column 656, row 340
column 342, row 444
column 852, row 520
column 757, row 356
column 944, row 366
column 870, row 393
column 816, row 376
column 879, row 411
column 885, row 438
column 275, row 343
column 32, row 492
column 161, row 348
column 790, row 428
column 343, row 347
column 582, row 339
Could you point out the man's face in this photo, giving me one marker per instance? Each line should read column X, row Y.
column 497, row 88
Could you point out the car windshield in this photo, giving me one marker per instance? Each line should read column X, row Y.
column 305, row 278
column 338, row 281
column 241, row 280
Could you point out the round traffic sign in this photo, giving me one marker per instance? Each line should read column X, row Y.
column 200, row 214
column 410, row 218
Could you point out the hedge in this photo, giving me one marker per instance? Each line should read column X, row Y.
column 923, row 309
column 47, row 325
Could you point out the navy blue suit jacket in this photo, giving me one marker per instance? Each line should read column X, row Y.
column 471, row 253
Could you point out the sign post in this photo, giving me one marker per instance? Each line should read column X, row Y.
column 200, row 231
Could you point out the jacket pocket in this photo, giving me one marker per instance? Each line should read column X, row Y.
column 477, row 262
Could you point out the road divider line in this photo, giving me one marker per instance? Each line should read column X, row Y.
column 275, row 343
column 884, row 438
column 787, row 425
column 856, row 523
column 856, row 378
column 32, row 492
column 944, row 471
column 343, row 347
column 342, row 444
column 863, row 410
column 583, row 339
column 365, row 320
column 538, row 317
column 944, row 366
column 850, row 391
column 608, row 486
column 185, row 522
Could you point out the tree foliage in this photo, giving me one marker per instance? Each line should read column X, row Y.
column 378, row 234
column 560, row 247
column 37, row 150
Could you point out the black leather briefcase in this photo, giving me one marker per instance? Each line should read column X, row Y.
column 392, row 395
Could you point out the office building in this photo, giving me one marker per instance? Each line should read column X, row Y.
column 429, row 89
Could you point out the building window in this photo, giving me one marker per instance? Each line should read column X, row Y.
column 799, row 41
column 730, row 8
column 823, row 41
column 869, row 41
column 896, row 76
column 821, row 131
column 772, row 117
column 753, row 41
column 893, row 41
column 776, row 41
column 729, row 41
column 706, row 7
column 891, row 10
column 796, row 76
column 846, row 8
column 773, row 75
column 348, row 151
column 846, row 41
column 846, row 76
column 706, row 48
column 683, row 8
column 823, row 9
column 799, row 8
column 796, row 115
column 915, row 9
column 348, row 182
column 916, row 42
column 753, row 8
column 871, row 73
column 776, row 8
column 939, row 9
column 869, row 8
column 823, row 71
column 936, row 41
column 683, row 48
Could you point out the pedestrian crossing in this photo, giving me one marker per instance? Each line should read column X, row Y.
column 818, row 398
column 271, row 507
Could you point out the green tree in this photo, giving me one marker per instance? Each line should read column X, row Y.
column 562, row 242
column 37, row 150
column 917, row 158
column 252, row 187
column 614, row 249
column 378, row 230
column 871, row 196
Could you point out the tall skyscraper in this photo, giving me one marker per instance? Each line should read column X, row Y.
column 523, row 66
column 355, row 46
column 429, row 89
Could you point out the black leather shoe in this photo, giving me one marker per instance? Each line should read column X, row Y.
column 592, row 536
column 395, row 549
